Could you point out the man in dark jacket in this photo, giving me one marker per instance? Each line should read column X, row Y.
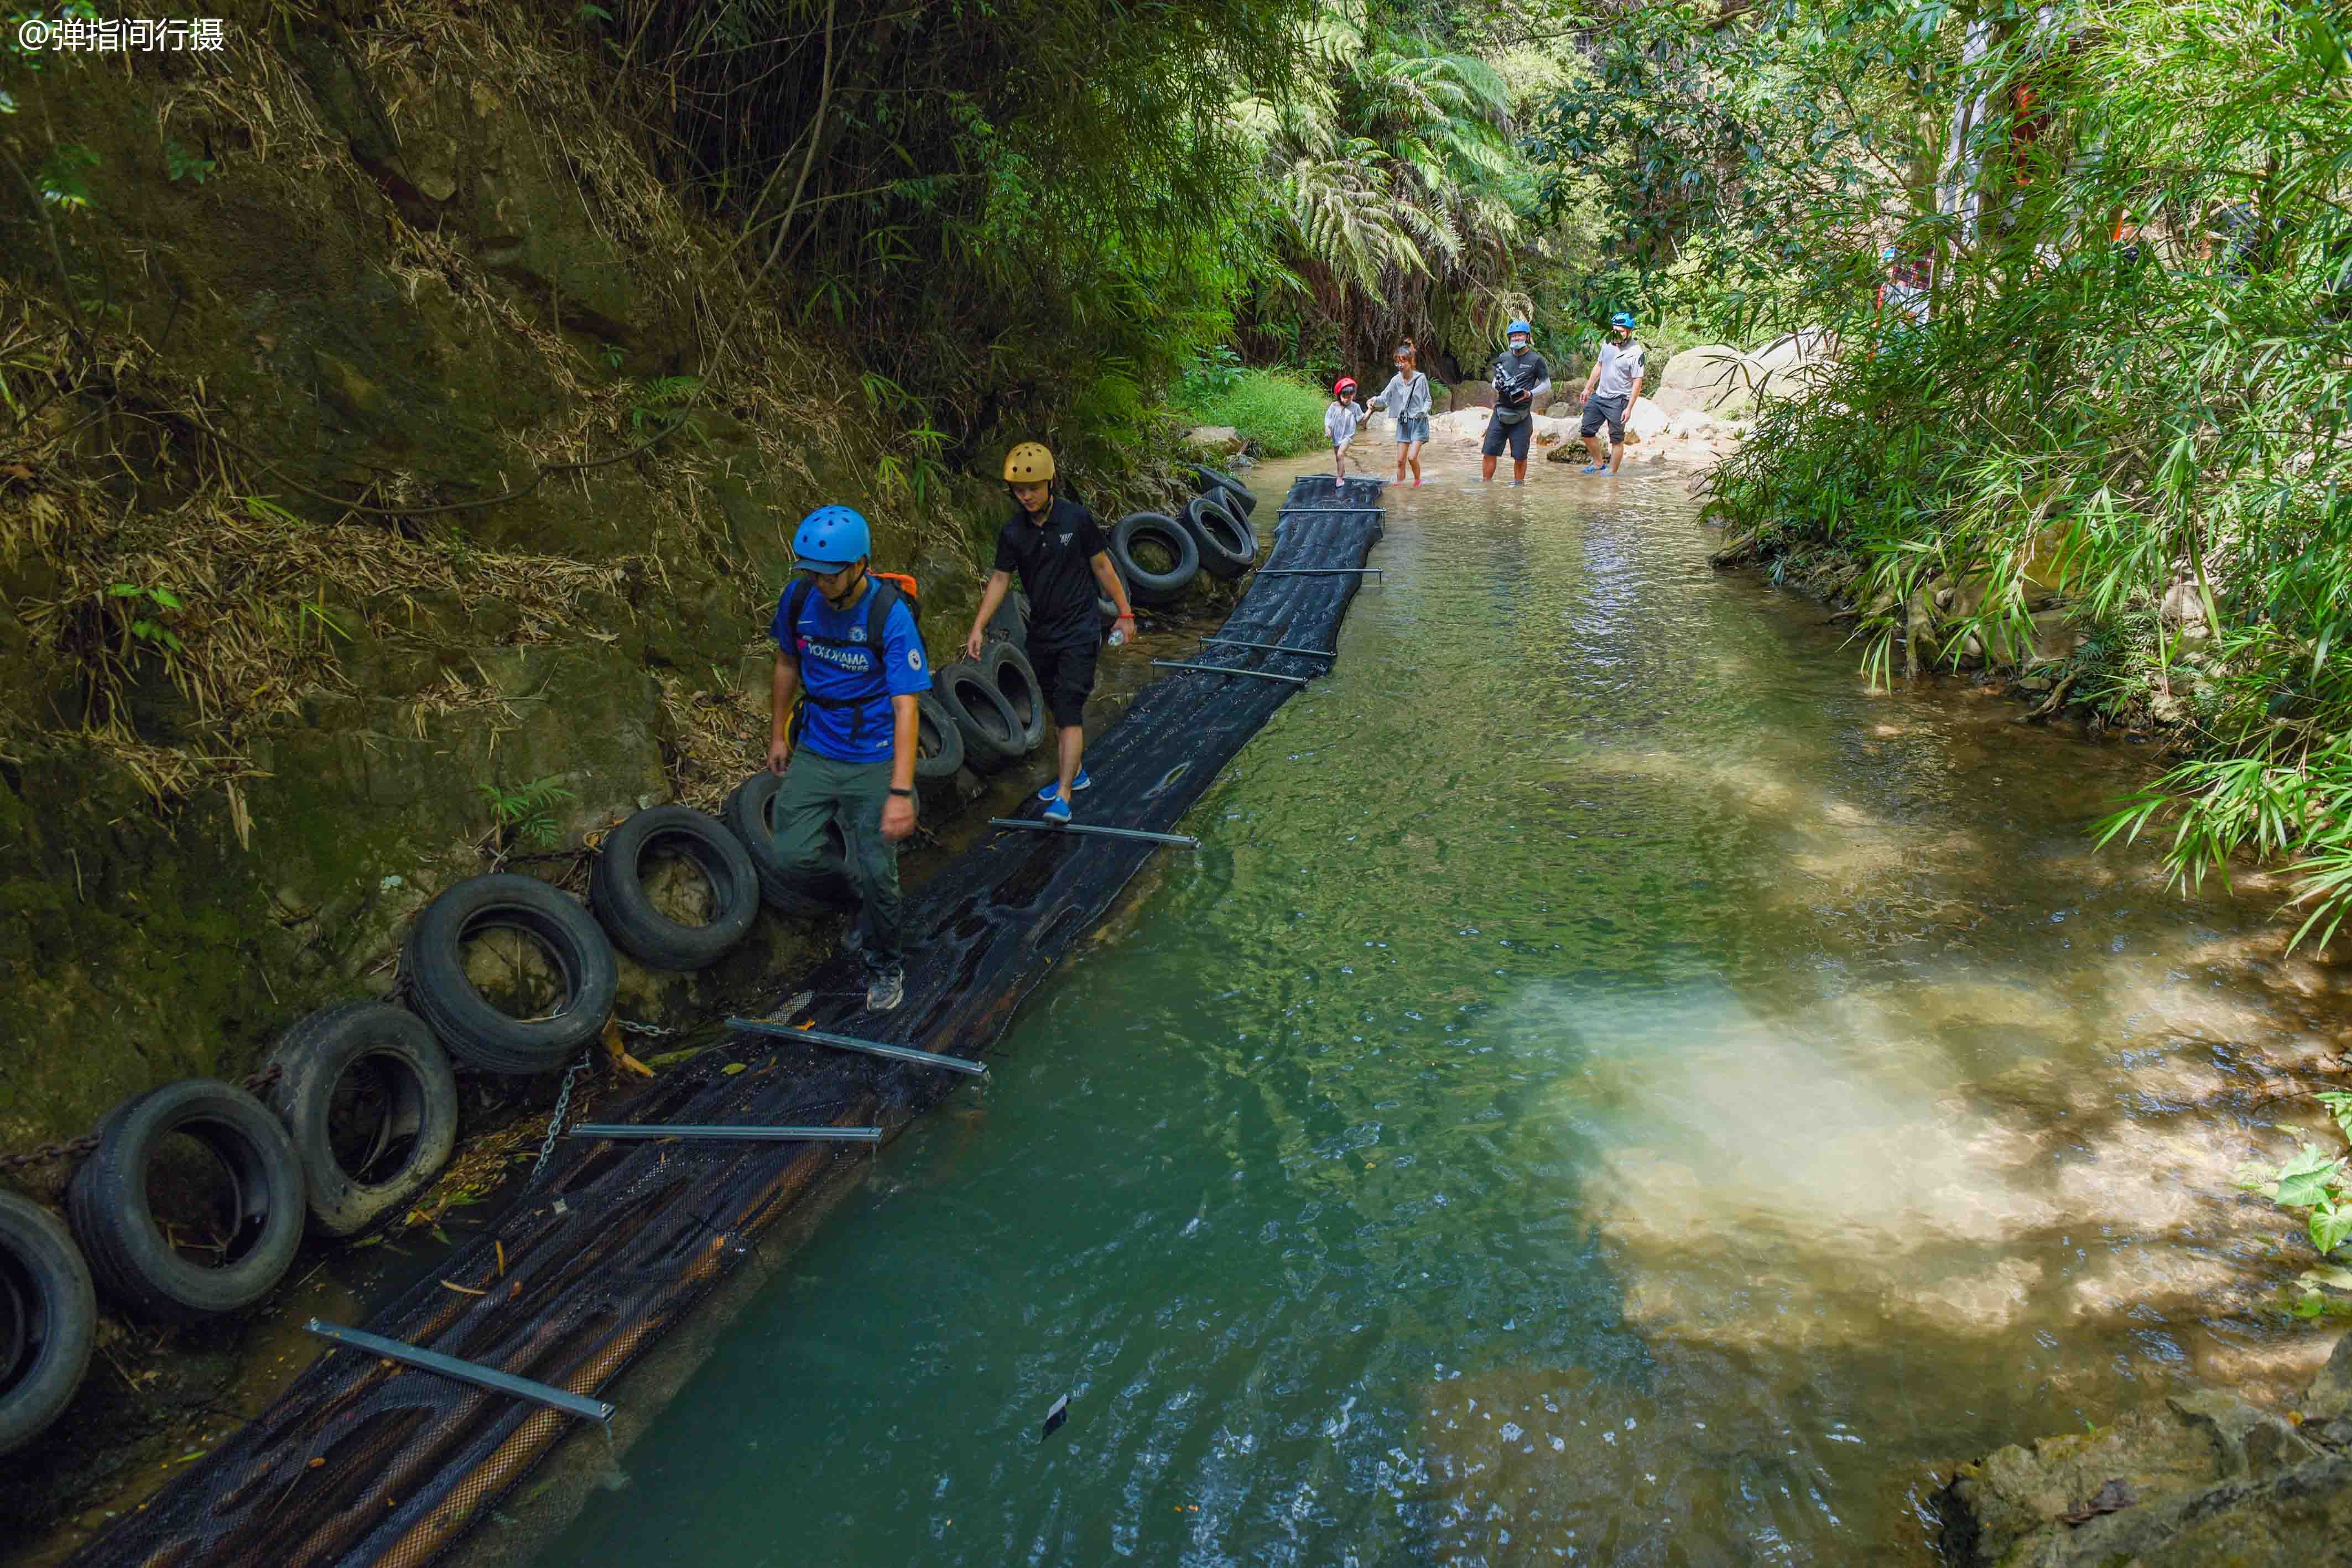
column 1522, row 381
column 1063, row 558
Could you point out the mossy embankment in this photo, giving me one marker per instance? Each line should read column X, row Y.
column 382, row 431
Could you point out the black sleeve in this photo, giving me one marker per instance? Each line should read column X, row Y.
column 1091, row 534
column 1005, row 559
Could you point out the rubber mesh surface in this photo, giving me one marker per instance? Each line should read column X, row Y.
column 363, row 1462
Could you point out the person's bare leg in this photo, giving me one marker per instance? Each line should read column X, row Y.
column 1415, row 456
column 1404, row 454
column 1592, row 450
column 1072, row 746
column 1616, row 455
column 1518, row 470
column 1485, row 468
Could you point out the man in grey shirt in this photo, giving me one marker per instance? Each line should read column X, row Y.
column 1610, row 393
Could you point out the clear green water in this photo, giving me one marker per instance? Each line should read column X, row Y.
column 1608, row 1091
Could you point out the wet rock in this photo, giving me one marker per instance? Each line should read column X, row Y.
column 2056, row 638
column 2327, row 1408
column 1223, row 440
column 2204, row 1478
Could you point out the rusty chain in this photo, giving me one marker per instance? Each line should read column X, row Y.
column 83, row 1147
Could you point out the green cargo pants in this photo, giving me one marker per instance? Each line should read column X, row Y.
column 850, row 795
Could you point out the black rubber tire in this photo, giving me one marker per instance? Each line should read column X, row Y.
column 433, row 965
column 991, row 730
column 1146, row 587
column 746, row 814
column 939, row 741
column 312, row 1058
column 1211, row 482
column 1010, row 622
column 107, row 1203
column 1228, row 545
column 1015, row 679
column 49, row 1320
column 643, row 932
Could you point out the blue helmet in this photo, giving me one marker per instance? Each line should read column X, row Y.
column 1519, row 326
column 1622, row 319
column 830, row 539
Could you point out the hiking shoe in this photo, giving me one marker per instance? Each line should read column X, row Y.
column 887, row 990
column 1057, row 809
column 1054, row 789
column 1593, row 469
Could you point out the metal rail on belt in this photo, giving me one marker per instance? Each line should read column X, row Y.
column 1144, row 834
column 464, row 1371
column 647, row 1130
column 870, row 1047
column 1265, row 647
column 1223, row 670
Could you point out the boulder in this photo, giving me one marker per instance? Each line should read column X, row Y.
column 2328, row 1406
column 1787, row 366
column 1560, row 411
column 1222, row 440
column 1711, row 378
column 1646, row 421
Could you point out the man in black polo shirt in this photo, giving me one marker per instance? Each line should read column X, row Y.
column 1058, row 549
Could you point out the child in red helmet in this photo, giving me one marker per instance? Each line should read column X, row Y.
column 1340, row 423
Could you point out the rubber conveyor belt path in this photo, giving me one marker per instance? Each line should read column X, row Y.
column 362, row 1462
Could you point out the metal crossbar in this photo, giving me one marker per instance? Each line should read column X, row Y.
column 650, row 1130
column 462, row 1371
column 850, row 1042
column 1223, row 670
column 1147, row 836
column 1266, row 647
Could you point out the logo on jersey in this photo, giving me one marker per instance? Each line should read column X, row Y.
column 857, row 633
column 1066, row 538
column 914, row 658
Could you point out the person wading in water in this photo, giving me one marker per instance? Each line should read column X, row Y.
column 847, row 644
column 1407, row 397
column 1060, row 552
column 1610, row 393
column 1521, row 380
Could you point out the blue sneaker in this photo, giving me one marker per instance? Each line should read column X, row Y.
column 1057, row 809
column 1054, row 788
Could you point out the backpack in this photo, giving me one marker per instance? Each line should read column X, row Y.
column 890, row 588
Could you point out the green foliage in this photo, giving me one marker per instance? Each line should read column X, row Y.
column 527, row 815
column 146, row 616
column 2317, row 1184
column 1276, row 409
column 2152, row 430
column 1214, row 373
column 1018, row 208
column 59, row 177
column 1396, row 197
column 664, row 395
column 184, row 164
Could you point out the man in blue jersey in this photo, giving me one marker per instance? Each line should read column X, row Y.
column 847, row 646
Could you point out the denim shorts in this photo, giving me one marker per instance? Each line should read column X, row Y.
column 1415, row 429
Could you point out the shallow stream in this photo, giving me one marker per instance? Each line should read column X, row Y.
column 1609, row 1089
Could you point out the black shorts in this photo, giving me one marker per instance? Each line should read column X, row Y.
column 1598, row 409
column 1515, row 436
column 1066, row 671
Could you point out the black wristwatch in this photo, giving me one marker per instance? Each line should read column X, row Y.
column 909, row 794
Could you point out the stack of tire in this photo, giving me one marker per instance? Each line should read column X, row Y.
column 1160, row 556
column 291, row 1159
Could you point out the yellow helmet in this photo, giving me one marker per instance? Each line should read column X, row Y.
column 1028, row 464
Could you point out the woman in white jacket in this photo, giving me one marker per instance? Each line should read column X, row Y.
column 1407, row 397
column 1340, row 421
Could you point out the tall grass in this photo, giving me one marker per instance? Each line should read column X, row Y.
column 1275, row 409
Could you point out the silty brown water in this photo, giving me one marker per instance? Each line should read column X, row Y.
column 1609, row 1089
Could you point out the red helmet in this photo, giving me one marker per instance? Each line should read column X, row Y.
column 1345, row 385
